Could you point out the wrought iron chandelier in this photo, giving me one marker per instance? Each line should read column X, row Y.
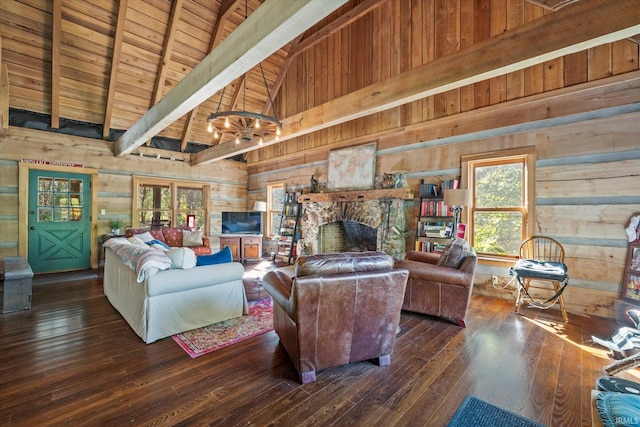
column 242, row 125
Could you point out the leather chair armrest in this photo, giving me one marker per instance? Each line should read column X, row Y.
column 279, row 285
column 426, row 257
column 435, row 273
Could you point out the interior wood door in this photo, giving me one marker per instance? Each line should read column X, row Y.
column 59, row 221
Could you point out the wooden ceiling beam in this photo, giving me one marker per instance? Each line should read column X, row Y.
column 574, row 28
column 113, row 73
column 4, row 95
column 56, row 39
column 167, row 49
column 266, row 30
column 226, row 8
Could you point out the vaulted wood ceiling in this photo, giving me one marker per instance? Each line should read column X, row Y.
column 115, row 64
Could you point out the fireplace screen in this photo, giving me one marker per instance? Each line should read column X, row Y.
column 347, row 236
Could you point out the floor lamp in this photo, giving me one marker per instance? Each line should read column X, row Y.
column 457, row 199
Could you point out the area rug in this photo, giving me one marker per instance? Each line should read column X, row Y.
column 214, row 337
column 478, row 413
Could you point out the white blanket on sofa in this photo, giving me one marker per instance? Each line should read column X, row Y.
column 144, row 260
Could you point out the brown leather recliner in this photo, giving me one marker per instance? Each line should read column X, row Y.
column 440, row 290
column 337, row 309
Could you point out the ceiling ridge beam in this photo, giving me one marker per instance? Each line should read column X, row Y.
column 571, row 29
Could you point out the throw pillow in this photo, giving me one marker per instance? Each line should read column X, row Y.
column 183, row 258
column 145, row 237
column 158, row 244
column 135, row 240
column 454, row 253
column 218, row 258
column 192, row 238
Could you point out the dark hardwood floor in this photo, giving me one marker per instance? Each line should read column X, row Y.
column 72, row 360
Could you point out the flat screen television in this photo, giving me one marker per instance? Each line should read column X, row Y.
column 241, row 222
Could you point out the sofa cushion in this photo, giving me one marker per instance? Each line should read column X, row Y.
column 156, row 234
column 173, row 236
column 183, row 258
column 192, row 238
column 135, row 240
column 454, row 253
column 218, row 258
column 146, row 237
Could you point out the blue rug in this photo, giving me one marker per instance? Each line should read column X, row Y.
column 474, row 412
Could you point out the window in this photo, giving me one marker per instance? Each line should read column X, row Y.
column 59, row 199
column 275, row 202
column 159, row 203
column 502, row 206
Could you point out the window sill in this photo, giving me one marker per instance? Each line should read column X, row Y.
column 496, row 261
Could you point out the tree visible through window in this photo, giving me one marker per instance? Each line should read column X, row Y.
column 501, row 204
column 275, row 202
column 167, row 203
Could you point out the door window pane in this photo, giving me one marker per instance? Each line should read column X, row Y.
column 61, row 185
column 45, row 199
column 45, row 214
column 45, row 184
column 60, row 214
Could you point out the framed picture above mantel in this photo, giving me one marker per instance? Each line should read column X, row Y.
column 352, row 168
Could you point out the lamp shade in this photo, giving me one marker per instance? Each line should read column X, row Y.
column 260, row 206
column 457, row 197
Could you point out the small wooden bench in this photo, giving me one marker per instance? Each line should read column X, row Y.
column 17, row 284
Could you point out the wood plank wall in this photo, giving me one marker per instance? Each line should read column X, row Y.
column 227, row 178
column 580, row 112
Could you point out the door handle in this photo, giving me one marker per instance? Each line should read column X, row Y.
column 32, row 227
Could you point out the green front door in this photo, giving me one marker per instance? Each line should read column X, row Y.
column 59, row 221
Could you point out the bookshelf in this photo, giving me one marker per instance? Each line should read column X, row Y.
column 435, row 219
column 289, row 230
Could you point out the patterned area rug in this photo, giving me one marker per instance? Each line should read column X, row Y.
column 213, row 337
column 474, row 412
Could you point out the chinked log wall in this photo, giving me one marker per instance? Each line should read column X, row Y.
column 228, row 179
column 588, row 158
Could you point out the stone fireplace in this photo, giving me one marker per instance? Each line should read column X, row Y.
column 354, row 221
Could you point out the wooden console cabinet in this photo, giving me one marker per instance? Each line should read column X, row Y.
column 243, row 247
column 234, row 245
column 251, row 248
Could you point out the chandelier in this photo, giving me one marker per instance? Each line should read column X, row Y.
column 242, row 125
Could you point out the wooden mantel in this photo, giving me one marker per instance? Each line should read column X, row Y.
column 357, row 195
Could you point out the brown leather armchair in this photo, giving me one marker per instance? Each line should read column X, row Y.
column 440, row 290
column 337, row 309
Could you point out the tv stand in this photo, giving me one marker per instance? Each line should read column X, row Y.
column 244, row 247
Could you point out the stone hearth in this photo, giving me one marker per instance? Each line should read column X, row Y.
column 382, row 210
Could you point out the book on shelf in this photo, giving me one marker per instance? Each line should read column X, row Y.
column 434, row 208
column 432, row 190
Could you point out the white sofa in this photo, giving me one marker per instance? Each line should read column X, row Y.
column 175, row 300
